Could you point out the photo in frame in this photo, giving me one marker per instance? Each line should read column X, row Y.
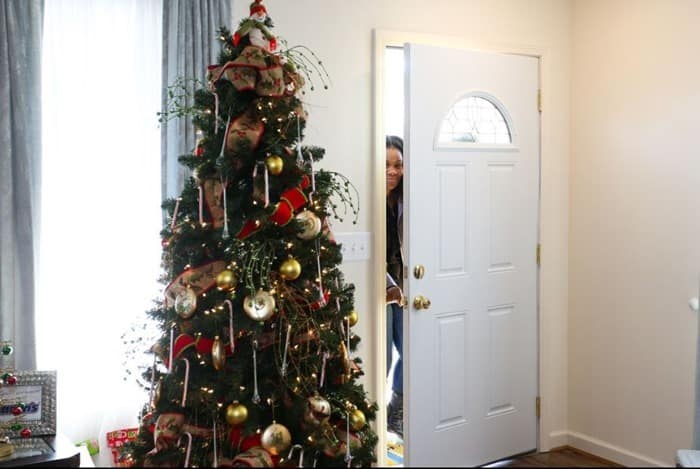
column 34, row 392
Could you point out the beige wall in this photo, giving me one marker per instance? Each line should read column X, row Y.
column 634, row 256
column 341, row 121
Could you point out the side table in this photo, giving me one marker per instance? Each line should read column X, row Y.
column 62, row 454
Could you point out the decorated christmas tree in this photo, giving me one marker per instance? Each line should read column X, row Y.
column 254, row 365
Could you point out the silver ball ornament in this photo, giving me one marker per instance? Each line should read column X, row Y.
column 318, row 411
column 186, row 303
column 310, row 223
column 260, row 306
column 276, row 438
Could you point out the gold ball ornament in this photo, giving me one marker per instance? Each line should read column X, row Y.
column 236, row 413
column 357, row 420
column 353, row 318
column 259, row 307
column 276, row 438
column 290, row 269
column 311, row 224
column 274, row 164
column 318, row 411
column 226, row 280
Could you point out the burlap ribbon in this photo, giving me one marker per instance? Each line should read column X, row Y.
column 252, row 70
column 244, row 129
column 199, row 279
column 254, row 457
column 334, row 450
column 213, row 197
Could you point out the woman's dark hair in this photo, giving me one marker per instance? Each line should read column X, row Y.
column 393, row 141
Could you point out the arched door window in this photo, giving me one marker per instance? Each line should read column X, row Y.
column 475, row 118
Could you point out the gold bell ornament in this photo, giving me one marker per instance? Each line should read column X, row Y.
column 218, row 354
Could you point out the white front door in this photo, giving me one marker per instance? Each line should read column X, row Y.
column 471, row 218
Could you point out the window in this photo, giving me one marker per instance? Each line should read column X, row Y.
column 100, row 246
column 393, row 91
column 475, row 119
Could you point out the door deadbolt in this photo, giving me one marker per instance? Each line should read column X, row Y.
column 421, row 302
column 418, row 271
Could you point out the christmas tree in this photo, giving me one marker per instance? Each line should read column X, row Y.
column 254, row 365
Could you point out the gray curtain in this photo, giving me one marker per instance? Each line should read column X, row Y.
column 190, row 45
column 21, row 26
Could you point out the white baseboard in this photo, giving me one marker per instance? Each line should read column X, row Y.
column 557, row 439
column 604, row 450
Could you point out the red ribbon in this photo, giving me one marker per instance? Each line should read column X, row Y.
column 182, row 343
column 282, row 214
column 290, row 201
column 205, row 344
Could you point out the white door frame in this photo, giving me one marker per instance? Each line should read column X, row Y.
column 382, row 40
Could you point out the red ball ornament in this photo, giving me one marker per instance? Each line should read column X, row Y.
column 11, row 379
column 199, row 151
column 165, row 242
column 25, row 433
column 16, row 411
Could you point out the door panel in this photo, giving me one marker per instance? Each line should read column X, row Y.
column 452, row 194
column 470, row 366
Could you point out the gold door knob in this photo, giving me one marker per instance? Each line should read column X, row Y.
column 421, row 302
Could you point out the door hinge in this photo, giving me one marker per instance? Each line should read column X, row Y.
column 539, row 100
column 538, row 406
column 538, row 254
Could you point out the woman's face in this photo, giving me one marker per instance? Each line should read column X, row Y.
column 394, row 168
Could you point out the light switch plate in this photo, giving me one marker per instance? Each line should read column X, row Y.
column 355, row 246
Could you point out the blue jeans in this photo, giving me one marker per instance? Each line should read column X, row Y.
column 394, row 335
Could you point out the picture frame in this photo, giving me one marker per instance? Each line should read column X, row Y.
column 35, row 393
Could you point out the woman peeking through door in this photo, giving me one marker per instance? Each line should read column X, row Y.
column 394, row 277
